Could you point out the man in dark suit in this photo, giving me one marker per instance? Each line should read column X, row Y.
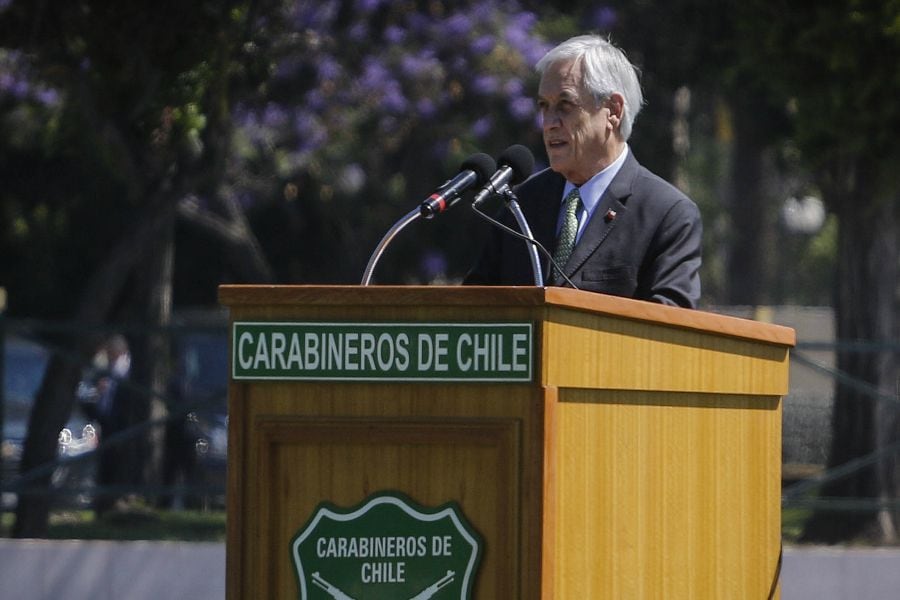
column 613, row 226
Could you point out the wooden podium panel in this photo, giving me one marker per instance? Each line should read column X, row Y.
column 662, row 495
column 641, row 461
column 310, row 443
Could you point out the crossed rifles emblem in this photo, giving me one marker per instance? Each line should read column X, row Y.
column 425, row 594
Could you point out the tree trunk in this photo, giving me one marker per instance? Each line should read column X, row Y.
column 863, row 423
column 151, row 353
column 53, row 403
column 51, row 411
column 136, row 461
column 239, row 243
column 753, row 213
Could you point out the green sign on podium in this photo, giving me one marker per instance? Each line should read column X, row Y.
column 386, row 549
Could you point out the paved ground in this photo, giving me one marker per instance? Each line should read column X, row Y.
column 77, row 570
column 840, row 574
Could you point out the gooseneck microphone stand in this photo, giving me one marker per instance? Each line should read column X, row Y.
column 392, row 232
column 512, row 204
column 509, row 198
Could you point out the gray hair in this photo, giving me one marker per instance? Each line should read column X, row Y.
column 606, row 70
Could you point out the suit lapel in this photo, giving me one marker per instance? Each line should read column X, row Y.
column 603, row 221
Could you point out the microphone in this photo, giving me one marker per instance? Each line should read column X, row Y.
column 475, row 170
column 516, row 164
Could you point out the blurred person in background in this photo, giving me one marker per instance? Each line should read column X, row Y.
column 111, row 366
column 179, row 458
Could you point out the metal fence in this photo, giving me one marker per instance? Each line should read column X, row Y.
column 802, row 492
column 193, row 428
column 199, row 353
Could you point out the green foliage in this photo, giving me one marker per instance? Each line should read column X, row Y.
column 835, row 63
column 329, row 120
column 101, row 106
column 792, row 522
column 133, row 524
column 326, row 120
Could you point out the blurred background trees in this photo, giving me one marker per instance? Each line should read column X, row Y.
column 830, row 65
column 116, row 114
column 151, row 151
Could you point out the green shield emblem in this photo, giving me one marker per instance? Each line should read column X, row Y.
column 387, row 548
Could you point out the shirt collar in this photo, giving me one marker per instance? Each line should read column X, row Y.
column 593, row 189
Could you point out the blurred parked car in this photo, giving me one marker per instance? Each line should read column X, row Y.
column 197, row 429
column 24, row 363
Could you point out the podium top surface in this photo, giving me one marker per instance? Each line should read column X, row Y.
column 234, row 296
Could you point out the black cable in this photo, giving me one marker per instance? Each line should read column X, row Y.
column 521, row 236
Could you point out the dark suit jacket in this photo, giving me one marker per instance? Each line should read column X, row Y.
column 650, row 249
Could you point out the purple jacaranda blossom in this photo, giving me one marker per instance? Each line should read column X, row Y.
column 482, row 12
column 316, row 99
column 314, row 14
column 240, row 112
column 534, row 52
column 457, row 25
column 358, row 32
column 514, row 87
column 433, row 265
column 518, row 35
column 482, row 45
column 485, row 84
column 417, row 65
column 48, row 97
column 424, row 75
column 394, row 34
column 368, row 6
column 274, row 116
column 254, row 133
column 603, row 18
column 521, row 108
column 311, row 133
column 482, row 127
column 13, row 79
column 523, row 21
column 328, row 69
column 418, row 24
column 374, row 74
column 393, row 99
column 426, row 108
column 20, row 89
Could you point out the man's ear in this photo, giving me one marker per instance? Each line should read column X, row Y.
column 616, row 105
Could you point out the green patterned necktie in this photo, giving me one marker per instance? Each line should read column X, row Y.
column 568, row 231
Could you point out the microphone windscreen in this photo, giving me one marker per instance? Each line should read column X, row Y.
column 520, row 159
column 482, row 164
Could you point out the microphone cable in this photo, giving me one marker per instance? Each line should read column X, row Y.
column 524, row 237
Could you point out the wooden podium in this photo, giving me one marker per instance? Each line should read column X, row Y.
column 641, row 457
